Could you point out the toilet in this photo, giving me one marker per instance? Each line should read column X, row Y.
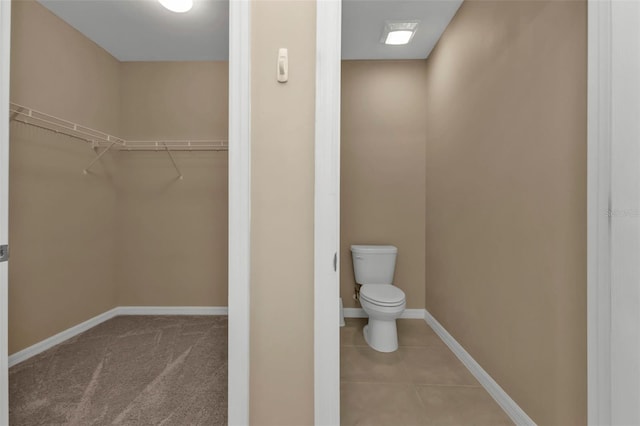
column 374, row 266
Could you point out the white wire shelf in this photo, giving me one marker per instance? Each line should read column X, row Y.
column 196, row 145
column 45, row 121
column 55, row 124
column 98, row 139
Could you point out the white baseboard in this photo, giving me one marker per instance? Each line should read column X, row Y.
column 509, row 406
column 407, row 314
column 172, row 310
column 56, row 339
column 67, row 334
column 512, row 409
column 413, row 314
column 355, row 313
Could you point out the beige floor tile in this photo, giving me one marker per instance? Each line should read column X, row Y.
column 460, row 406
column 434, row 366
column 363, row 364
column 381, row 404
column 411, row 332
column 351, row 333
column 423, row 383
column 416, row 332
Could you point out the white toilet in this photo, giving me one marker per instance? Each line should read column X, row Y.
column 381, row 300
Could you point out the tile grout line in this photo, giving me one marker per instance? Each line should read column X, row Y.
column 415, row 390
column 416, row 385
column 399, row 346
column 404, row 367
column 426, row 385
column 405, row 370
column 437, row 385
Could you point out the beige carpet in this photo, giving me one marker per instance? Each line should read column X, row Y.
column 130, row 370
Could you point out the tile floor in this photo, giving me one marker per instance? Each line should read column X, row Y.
column 422, row 383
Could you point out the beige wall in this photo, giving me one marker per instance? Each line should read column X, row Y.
column 506, row 198
column 129, row 232
column 282, row 182
column 60, row 221
column 172, row 233
column 383, row 169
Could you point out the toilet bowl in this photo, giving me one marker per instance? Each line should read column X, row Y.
column 383, row 308
column 383, row 302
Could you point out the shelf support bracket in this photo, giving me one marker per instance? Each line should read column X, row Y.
column 86, row 170
column 172, row 160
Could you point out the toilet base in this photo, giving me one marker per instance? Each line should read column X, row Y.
column 381, row 335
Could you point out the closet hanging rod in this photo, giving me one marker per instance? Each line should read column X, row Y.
column 32, row 117
column 59, row 125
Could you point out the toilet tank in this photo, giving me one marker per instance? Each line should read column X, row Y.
column 374, row 264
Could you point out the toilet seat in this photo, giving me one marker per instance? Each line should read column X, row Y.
column 386, row 295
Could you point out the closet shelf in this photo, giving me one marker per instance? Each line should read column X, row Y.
column 32, row 117
column 98, row 139
column 45, row 121
column 196, row 145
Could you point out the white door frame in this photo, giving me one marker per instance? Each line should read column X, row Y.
column 613, row 213
column 327, row 214
column 5, row 55
column 239, row 210
column 598, row 224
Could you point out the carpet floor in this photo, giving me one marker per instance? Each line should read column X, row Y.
column 130, row 370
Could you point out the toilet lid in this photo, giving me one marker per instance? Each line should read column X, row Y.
column 383, row 295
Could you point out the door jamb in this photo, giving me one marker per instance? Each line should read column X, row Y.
column 613, row 209
column 239, row 210
column 327, row 214
column 5, row 68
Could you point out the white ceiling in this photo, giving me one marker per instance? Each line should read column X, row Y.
column 363, row 22
column 143, row 30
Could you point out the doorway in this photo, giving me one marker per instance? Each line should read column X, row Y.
column 601, row 308
column 177, row 167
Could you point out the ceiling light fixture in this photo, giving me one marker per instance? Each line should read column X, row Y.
column 398, row 33
column 178, row 6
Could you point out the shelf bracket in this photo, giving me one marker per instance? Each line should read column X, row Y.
column 86, row 170
column 172, row 160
